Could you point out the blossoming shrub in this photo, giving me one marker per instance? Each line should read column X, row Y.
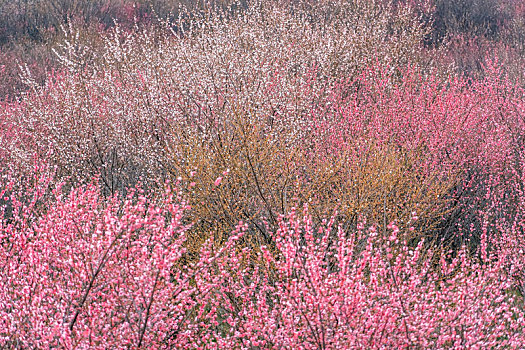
column 327, row 288
column 88, row 272
column 240, row 93
column 119, row 115
column 474, row 31
column 236, row 94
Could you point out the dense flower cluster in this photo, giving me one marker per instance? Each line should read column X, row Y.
column 93, row 273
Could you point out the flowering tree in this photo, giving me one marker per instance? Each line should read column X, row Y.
column 91, row 273
column 329, row 289
column 101, row 274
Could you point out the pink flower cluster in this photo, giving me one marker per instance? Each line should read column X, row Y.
column 91, row 273
column 331, row 289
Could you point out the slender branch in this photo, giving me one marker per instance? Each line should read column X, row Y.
column 92, row 280
column 148, row 310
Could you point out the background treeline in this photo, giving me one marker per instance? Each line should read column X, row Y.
column 30, row 30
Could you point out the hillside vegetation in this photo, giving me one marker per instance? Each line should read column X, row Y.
column 262, row 174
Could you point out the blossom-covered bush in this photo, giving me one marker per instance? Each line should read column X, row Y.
column 86, row 272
